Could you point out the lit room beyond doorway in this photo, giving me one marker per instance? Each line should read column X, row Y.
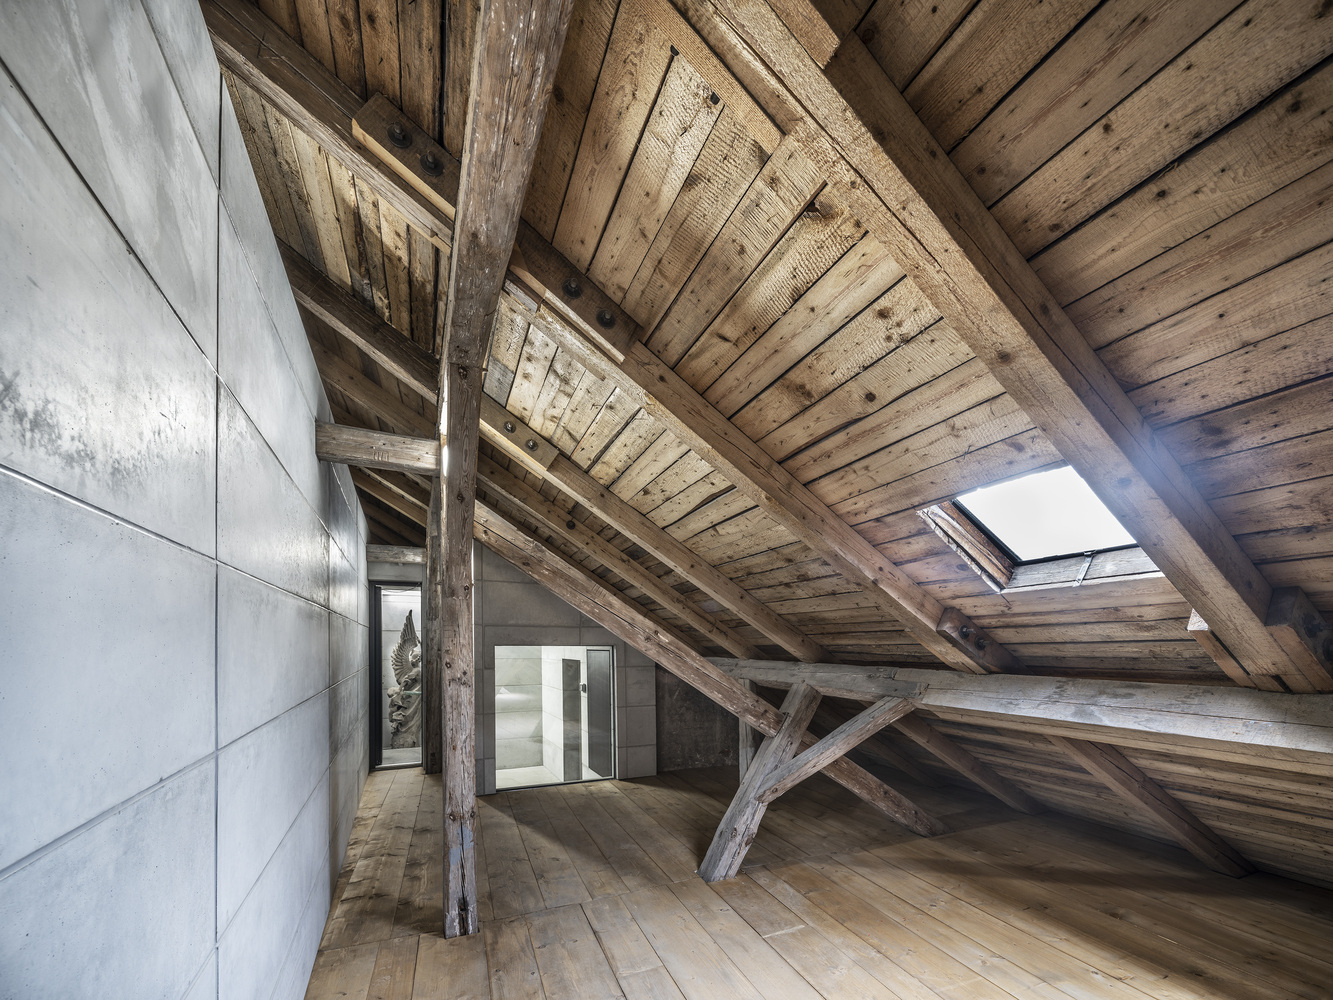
column 553, row 715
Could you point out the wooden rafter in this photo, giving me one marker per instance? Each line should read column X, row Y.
column 349, row 317
column 1145, row 795
column 355, row 385
column 641, row 529
column 513, row 69
column 642, row 630
column 929, row 738
column 856, row 123
column 540, row 276
column 659, row 391
column 389, row 497
column 559, row 522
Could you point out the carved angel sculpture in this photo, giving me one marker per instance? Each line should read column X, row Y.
column 405, row 696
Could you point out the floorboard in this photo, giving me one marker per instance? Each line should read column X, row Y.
column 589, row 891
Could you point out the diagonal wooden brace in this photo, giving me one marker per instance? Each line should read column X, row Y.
column 740, row 824
column 833, row 746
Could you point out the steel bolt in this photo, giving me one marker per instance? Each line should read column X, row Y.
column 399, row 136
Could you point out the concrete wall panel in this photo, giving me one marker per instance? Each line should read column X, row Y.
column 97, row 76
column 206, row 983
column 245, row 207
column 265, row 525
column 255, row 945
column 183, row 37
column 349, row 648
column 263, row 781
column 124, row 816
column 273, row 653
column 253, row 364
column 102, row 392
column 138, row 886
column 108, row 651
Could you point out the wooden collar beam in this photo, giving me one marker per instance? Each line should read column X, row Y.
column 1230, row 723
column 640, row 629
column 853, row 121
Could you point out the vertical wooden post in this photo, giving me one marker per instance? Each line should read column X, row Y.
column 457, row 495
column 740, row 824
column 746, row 736
column 432, row 695
column 514, row 58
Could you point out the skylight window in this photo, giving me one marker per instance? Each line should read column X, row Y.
column 1044, row 515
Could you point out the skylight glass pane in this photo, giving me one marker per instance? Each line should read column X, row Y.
column 1047, row 514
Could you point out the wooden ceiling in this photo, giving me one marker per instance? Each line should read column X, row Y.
column 1164, row 166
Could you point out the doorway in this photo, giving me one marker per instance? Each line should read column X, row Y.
column 395, row 719
column 554, row 715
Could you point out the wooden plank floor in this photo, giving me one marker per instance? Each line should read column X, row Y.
column 589, row 892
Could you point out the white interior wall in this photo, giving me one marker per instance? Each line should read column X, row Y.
column 183, row 695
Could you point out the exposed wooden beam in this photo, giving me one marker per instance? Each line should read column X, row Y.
column 559, row 522
column 643, row 531
column 1145, row 795
column 632, row 624
column 876, row 746
column 921, row 208
column 382, row 493
column 353, row 320
column 741, row 821
column 837, row 743
column 263, row 57
column 404, row 487
column 517, row 50
column 1229, row 723
column 652, row 384
column 745, row 747
column 921, row 732
column 355, row 385
column 404, row 554
column 835, row 680
column 432, row 674
column 538, row 274
column 376, row 449
column 396, row 531
column 1217, row 649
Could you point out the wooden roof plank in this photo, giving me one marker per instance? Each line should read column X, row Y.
column 996, row 303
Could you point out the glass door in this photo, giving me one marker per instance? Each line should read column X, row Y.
column 554, row 715
column 396, row 725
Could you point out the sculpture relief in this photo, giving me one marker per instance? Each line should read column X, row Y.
column 405, row 695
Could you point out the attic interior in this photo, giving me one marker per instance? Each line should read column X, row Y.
column 685, row 330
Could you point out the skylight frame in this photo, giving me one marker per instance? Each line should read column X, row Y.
column 1000, row 567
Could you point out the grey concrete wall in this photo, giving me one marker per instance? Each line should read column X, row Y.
column 183, row 687
column 692, row 729
column 512, row 609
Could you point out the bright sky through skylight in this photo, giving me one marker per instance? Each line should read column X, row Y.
column 1047, row 514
